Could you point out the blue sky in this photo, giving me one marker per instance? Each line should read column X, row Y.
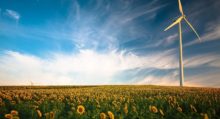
column 91, row 42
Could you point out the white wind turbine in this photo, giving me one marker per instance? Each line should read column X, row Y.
column 178, row 21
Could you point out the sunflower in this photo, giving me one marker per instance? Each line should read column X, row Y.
column 179, row 109
column 52, row 115
column 126, row 109
column 153, row 109
column 39, row 113
column 111, row 115
column 132, row 100
column 206, row 116
column 80, row 109
column 13, row 102
column 14, row 112
column 134, row 109
column 102, row 115
column 8, row 116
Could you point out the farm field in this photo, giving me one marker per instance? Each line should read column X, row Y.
column 109, row 102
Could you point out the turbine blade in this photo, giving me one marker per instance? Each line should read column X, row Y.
column 180, row 7
column 174, row 23
column 190, row 25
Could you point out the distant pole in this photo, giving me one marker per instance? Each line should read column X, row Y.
column 181, row 57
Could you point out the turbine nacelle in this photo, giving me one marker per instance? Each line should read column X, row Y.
column 179, row 20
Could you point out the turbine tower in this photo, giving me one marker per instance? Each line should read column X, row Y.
column 178, row 21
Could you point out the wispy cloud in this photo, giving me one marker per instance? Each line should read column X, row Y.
column 144, row 11
column 169, row 40
column 13, row 14
column 210, row 59
column 209, row 23
column 50, row 32
column 206, row 79
column 170, row 79
column 212, row 33
column 121, row 21
column 85, row 67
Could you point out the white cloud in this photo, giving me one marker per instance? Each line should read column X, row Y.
column 212, row 60
column 85, row 67
column 169, row 40
column 13, row 14
column 120, row 21
column 206, row 79
column 170, row 79
column 91, row 68
column 213, row 33
column 143, row 11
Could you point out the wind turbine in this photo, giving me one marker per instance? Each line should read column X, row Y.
column 31, row 83
column 178, row 21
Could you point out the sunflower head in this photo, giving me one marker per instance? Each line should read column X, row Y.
column 125, row 109
column 80, row 109
column 153, row 109
column 14, row 112
column 179, row 109
column 206, row 116
column 8, row 116
column 111, row 115
column 102, row 115
column 13, row 102
column 52, row 115
column 134, row 109
column 39, row 113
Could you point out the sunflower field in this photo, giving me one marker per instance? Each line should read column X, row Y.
column 109, row 102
